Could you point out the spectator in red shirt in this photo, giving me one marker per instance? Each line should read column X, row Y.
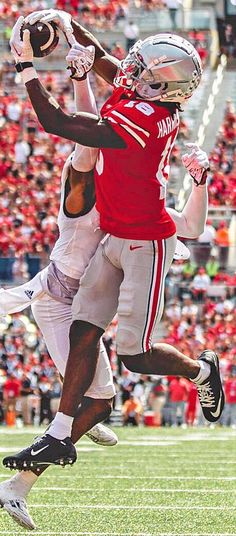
column 229, row 415
column 11, row 392
column 178, row 393
column 191, row 408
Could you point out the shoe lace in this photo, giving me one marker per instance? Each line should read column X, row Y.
column 38, row 439
column 206, row 395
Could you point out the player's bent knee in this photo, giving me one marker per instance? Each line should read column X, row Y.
column 84, row 331
column 107, row 407
column 102, row 406
column 134, row 363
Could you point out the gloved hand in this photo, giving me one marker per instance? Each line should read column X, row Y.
column 21, row 49
column 61, row 19
column 196, row 162
column 80, row 60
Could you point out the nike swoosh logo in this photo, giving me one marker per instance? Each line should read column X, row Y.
column 166, row 63
column 217, row 412
column 134, row 247
column 35, row 452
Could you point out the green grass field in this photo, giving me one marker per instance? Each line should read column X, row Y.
column 156, row 482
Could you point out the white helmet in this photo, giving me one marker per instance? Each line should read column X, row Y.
column 163, row 67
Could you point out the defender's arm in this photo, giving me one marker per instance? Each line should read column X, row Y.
column 81, row 196
column 105, row 65
column 84, row 158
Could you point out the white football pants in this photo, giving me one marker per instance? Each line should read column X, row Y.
column 54, row 319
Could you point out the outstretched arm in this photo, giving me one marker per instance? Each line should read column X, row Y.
column 191, row 221
column 83, row 128
column 81, row 196
column 105, row 65
column 84, row 158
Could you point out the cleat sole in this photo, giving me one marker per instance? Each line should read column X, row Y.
column 28, row 465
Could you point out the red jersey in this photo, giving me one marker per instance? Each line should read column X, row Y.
column 230, row 390
column 131, row 182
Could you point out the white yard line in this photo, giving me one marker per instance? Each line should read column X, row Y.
column 140, row 490
column 125, row 507
column 219, row 462
column 201, row 435
column 50, row 533
column 113, row 454
column 125, row 477
column 120, row 477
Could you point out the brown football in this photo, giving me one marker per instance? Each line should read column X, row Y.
column 44, row 37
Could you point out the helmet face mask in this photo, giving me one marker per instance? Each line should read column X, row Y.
column 130, row 68
column 164, row 67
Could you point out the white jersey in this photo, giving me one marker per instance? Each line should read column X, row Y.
column 78, row 236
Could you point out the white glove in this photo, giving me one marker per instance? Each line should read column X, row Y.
column 80, row 60
column 61, row 19
column 21, row 49
column 196, row 162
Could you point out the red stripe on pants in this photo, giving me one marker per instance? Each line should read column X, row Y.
column 155, row 300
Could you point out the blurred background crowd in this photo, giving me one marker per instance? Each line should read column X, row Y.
column 200, row 307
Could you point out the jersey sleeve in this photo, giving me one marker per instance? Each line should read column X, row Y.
column 131, row 120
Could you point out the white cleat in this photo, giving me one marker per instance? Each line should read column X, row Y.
column 102, row 435
column 15, row 505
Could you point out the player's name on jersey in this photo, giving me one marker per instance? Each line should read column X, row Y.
column 166, row 126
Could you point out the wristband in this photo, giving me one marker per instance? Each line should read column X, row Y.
column 203, row 178
column 24, row 65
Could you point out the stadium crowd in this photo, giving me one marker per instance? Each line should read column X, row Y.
column 103, row 15
column 222, row 184
column 30, row 169
column 92, row 13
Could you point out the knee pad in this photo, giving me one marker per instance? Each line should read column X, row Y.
column 128, row 341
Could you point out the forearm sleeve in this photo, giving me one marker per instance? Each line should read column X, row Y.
column 54, row 120
column 84, row 158
column 86, row 129
column 191, row 221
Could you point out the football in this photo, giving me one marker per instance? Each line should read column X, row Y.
column 44, row 37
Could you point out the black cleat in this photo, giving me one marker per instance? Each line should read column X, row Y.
column 46, row 450
column 210, row 392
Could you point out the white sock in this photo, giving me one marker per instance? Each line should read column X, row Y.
column 203, row 374
column 23, row 482
column 61, row 426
